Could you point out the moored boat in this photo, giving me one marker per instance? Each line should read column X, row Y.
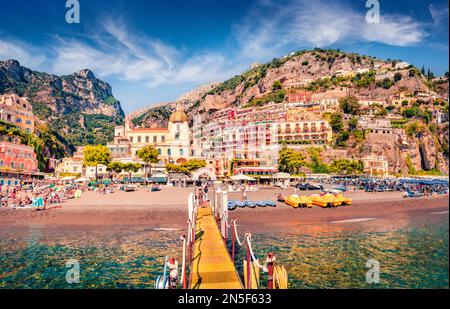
column 332, row 200
column 319, row 200
column 293, row 200
column 306, row 201
column 344, row 200
column 250, row 204
column 261, row 203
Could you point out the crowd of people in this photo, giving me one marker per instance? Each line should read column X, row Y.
column 38, row 195
column 384, row 185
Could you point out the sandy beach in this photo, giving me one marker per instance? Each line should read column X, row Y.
column 168, row 210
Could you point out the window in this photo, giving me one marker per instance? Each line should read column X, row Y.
column 159, row 152
column 163, row 139
column 169, row 152
column 181, row 152
column 131, row 139
column 19, row 120
column 139, row 139
column 155, row 139
column 147, row 139
column 28, row 130
column 28, row 122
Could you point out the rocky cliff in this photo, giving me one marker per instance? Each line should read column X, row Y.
column 328, row 74
column 319, row 71
column 80, row 107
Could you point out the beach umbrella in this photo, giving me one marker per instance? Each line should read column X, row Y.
column 242, row 178
column 82, row 179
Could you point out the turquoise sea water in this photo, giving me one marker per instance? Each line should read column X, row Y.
column 410, row 257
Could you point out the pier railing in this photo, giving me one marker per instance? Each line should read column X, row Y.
column 276, row 275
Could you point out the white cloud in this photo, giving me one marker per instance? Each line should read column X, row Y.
column 24, row 53
column 395, row 30
column 269, row 30
column 439, row 13
column 301, row 23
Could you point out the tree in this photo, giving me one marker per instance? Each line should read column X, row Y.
column 349, row 105
column 297, row 161
column 187, row 167
column 95, row 155
column 277, row 85
column 131, row 168
column 149, row 155
column 397, row 77
column 353, row 124
column 415, row 129
column 341, row 138
column 430, row 74
column 336, row 123
column 411, row 112
column 194, row 165
column 387, row 83
column 291, row 161
column 115, row 167
column 347, row 167
column 316, row 165
column 381, row 112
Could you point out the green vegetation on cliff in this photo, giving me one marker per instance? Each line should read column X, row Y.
column 46, row 143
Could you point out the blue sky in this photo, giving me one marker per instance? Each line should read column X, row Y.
column 154, row 51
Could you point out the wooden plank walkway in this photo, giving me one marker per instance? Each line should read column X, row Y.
column 212, row 267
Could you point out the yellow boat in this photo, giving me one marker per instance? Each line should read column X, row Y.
column 296, row 201
column 293, row 200
column 319, row 201
column 306, row 201
column 332, row 200
column 326, row 200
column 344, row 200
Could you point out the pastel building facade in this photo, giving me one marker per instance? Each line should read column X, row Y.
column 17, row 162
column 376, row 166
column 18, row 111
column 173, row 143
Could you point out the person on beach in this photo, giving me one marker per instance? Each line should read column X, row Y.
column 244, row 194
column 205, row 190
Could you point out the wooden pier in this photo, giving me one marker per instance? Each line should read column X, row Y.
column 212, row 267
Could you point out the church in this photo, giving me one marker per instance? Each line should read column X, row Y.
column 172, row 143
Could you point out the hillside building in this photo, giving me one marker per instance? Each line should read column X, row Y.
column 17, row 162
column 172, row 143
column 18, row 111
column 376, row 166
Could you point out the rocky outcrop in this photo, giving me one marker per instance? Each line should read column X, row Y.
column 302, row 67
column 309, row 68
column 79, row 106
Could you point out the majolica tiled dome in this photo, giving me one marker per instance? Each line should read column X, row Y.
column 178, row 116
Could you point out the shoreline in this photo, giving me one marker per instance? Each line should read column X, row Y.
column 140, row 211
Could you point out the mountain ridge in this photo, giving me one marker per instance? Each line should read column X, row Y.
column 79, row 106
column 315, row 68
